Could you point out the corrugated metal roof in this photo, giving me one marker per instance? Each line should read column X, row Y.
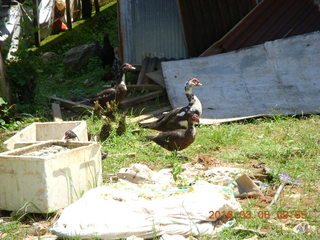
column 150, row 28
column 206, row 21
column 270, row 20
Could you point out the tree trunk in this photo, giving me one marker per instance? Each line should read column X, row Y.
column 4, row 84
column 86, row 9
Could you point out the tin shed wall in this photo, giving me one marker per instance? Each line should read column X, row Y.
column 150, row 29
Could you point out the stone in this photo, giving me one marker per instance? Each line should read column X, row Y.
column 49, row 57
column 77, row 57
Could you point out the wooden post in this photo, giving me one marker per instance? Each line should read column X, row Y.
column 69, row 22
column 36, row 22
column 56, row 112
column 96, row 5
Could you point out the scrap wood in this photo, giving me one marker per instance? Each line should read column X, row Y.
column 157, row 77
column 276, row 196
column 145, row 86
column 149, row 65
column 143, row 71
column 149, row 120
column 56, row 112
column 131, row 154
column 140, row 86
column 142, row 98
column 150, row 68
column 150, row 114
column 77, row 107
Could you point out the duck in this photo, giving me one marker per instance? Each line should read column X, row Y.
column 122, row 127
column 116, row 93
column 178, row 139
column 70, row 135
column 176, row 118
column 105, row 130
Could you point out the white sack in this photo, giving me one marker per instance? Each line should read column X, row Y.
column 124, row 209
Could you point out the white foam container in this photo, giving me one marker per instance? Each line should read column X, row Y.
column 45, row 131
column 47, row 183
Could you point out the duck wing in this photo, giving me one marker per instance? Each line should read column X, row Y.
column 169, row 140
column 170, row 121
column 104, row 96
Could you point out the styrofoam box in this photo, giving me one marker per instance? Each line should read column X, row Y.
column 45, row 131
column 47, row 183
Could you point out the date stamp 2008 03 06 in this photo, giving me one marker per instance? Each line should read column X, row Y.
column 258, row 214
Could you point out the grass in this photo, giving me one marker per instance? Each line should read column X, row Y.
column 283, row 144
column 286, row 145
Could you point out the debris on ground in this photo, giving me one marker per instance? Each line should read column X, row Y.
column 304, row 227
column 292, row 225
column 121, row 210
column 247, row 188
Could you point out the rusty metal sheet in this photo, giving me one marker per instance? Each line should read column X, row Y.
column 277, row 77
column 270, row 20
column 206, row 21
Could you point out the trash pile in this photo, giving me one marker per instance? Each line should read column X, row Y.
column 122, row 210
column 144, row 203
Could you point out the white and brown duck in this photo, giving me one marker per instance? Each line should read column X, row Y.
column 177, row 118
column 178, row 139
column 117, row 92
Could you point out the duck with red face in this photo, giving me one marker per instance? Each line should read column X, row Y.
column 178, row 139
column 177, row 118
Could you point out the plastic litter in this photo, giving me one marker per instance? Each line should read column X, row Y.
column 122, row 210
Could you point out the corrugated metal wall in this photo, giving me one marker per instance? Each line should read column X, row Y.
column 270, row 20
column 150, row 28
column 206, row 21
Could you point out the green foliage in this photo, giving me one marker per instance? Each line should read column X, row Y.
column 32, row 80
column 176, row 171
column 6, row 114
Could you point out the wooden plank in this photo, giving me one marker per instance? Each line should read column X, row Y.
column 145, row 86
column 140, row 99
column 56, row 112
column 68, row 11
column 36, row 26
column 74, row 106
column 149, row 114
column 150, row 68
column 156, row 77
column 144, row 66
